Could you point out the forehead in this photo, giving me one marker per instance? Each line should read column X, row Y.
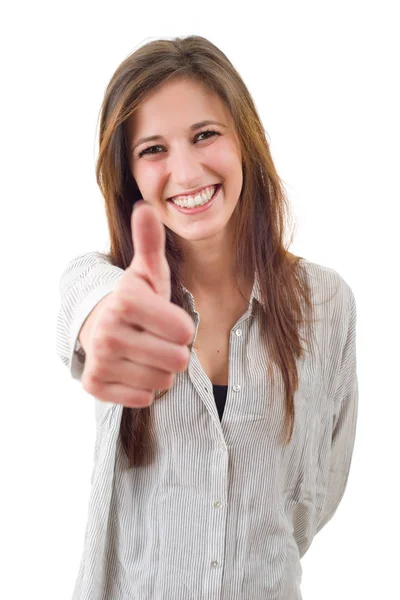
column 177, row 104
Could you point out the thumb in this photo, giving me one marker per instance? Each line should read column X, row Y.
column 148, row 238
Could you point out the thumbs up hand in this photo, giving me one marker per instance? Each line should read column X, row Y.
column 138, row 337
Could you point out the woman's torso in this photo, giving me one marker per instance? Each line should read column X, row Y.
column 212, row 340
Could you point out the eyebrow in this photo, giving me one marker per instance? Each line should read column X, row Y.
column 155, row 138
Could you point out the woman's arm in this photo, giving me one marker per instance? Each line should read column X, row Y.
column 87, row 279
column 345, row 402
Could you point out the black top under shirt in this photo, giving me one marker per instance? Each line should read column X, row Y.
column 220, row 392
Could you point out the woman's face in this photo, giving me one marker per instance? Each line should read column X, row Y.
column 186, row 159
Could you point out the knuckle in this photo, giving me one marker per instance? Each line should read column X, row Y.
column 105, row 342
column 147, row 400
column 183, row 358
column 125, row 305
column 108, row 318
column 162, row 380
column 111, row 342
column 90, row 383
column 169, row 381
column 98, row 339
column 98, row 371
column 191, row 331
column 139, row 399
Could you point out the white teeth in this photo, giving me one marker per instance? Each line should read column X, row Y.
column 198, row 200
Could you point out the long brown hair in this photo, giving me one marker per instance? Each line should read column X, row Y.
column 263, row 208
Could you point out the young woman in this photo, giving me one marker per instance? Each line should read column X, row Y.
column 215, row 487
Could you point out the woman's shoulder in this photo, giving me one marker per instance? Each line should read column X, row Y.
column 327, row 284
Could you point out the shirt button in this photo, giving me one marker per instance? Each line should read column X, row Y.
column 238, row 332
column 236, row 388
column 217, row 504
column 214, row 564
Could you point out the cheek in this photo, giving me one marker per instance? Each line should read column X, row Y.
column 149, row 177
column 225, row 159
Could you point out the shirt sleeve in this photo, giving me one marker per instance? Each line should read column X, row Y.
column 87, row 279
column 345, row 402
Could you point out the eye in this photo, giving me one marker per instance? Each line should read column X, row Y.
column 147, row 151
column 150, row 148
column 208, row 131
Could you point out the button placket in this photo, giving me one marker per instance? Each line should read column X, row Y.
column 217, row 523
column 218, row 516
column 237, row 387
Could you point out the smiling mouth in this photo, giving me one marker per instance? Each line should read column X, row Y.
column 187, row 196
column 198, row 207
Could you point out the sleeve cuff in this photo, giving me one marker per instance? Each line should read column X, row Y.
column 77, row 358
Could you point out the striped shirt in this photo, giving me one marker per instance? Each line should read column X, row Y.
column 224, row 512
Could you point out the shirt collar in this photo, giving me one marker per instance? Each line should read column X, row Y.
column 255, row 294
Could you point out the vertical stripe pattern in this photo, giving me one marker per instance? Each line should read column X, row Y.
column 225, row 512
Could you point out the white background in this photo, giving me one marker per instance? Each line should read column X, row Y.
column 324, row 78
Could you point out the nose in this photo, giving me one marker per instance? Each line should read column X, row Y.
column 186, row 171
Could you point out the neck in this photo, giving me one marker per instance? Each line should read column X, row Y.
column 215, row 290
column 208, row 265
